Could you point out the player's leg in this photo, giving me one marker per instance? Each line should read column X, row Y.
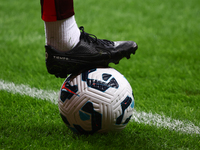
column 61, row 29
column 68, row 50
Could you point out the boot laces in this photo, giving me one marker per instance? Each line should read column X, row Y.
column 90, row 38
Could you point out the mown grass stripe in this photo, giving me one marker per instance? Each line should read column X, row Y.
column 160, row 121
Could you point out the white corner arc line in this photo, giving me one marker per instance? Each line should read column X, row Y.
column 157, row 120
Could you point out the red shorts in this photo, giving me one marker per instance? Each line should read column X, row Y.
column 53, row 10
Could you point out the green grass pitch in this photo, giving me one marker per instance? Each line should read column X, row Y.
column 164, row 73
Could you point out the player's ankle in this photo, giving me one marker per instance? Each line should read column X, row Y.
column 62, row 34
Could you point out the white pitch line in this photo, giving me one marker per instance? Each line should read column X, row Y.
column 161, row 121
column 27, row 90
column 157, row 120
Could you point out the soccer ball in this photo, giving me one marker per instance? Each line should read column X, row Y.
column 97, row 100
